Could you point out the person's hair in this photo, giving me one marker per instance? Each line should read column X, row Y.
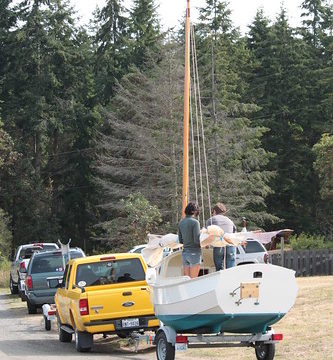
column 219, row 208
column 192, row 209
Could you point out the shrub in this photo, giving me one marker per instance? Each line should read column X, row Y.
column 307, row 241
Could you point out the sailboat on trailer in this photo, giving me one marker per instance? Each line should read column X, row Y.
column 243, row 299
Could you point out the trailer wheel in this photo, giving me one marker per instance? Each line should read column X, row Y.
column 164, row 349
column 47, row 323
column 265, row 351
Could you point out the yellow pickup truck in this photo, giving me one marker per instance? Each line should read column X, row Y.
column 101, row 295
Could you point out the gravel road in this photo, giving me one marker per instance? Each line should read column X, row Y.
column 23, row 336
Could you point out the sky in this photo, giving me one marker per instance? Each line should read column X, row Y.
column 171, row 11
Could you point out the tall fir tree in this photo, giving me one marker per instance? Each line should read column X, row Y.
column 145, row 33
column 47, row 99
column 140, row 148
column 236, row 157
column 283, row 61
column 112, row 43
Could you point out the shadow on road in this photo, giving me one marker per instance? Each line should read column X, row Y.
column 52, row 347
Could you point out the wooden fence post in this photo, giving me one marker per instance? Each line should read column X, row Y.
column 282, row 251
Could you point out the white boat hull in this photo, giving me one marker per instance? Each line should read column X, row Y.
column 246, row 298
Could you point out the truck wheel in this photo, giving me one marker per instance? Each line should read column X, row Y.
column 265, row 351
column 47, row 324
column 12, row 286
column 64, row 336
column 32, row 309
column 83, row 340
column 164, row 350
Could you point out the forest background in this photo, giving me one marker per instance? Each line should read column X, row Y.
column 91, row 122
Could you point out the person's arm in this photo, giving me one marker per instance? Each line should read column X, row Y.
column 196, row 233
column 180, row 236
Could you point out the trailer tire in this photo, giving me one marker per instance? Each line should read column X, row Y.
column 47, row 324
column 265, row 351
column 164, row 349
column 83, row 340
column 64, row 336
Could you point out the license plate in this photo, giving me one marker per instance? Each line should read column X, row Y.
column 181, row 346
column 128, row 323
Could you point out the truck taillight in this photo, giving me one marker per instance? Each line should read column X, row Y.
column 83, row 307
column 266, row 257
column 28, row 282
column 22, row 265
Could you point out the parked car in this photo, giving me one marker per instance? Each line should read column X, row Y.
column 20, row 261
column 252, row 253
column 43, row 267
column 103, row 294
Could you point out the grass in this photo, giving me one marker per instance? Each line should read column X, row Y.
column 4, row 273
column 307, row 328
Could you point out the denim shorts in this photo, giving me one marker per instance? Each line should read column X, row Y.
column 191, row 257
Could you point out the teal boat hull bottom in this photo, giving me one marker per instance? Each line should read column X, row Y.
column 215, row 323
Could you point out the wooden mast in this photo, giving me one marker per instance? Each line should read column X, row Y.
column 185, row 197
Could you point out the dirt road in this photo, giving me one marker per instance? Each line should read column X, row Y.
column 23, row 336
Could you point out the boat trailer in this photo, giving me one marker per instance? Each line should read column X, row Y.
column 167, row 342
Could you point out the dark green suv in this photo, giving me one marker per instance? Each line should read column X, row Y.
column 42, row 268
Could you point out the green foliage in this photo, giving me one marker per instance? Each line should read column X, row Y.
column 236, row 157
column 142, row 217
column 324, row 165
column 145, row 30
column 5, row 236
column 139, row 219
column 305, row 241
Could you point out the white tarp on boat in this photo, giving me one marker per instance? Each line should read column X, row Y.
column 212, row 236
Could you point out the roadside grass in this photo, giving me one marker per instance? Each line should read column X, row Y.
column 4, row 273
column 307, row 329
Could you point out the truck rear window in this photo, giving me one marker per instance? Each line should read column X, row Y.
column 109, row 272
column 49, row 263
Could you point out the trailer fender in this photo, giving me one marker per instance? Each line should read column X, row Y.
column 170, row 334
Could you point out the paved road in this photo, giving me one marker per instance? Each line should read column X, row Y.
column 23, row 336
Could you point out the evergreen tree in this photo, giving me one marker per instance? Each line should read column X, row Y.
column 47, row 100
column 146, row 35
column 112, row 48
column 141, row 144
column 323, row 166
column 281, row 77
column 236, row 158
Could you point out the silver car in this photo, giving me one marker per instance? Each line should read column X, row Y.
column 252, row 253
column 21, row 260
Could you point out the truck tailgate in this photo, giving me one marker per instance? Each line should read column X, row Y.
column 119, row 302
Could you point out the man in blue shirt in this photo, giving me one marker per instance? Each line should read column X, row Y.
column 227, row 226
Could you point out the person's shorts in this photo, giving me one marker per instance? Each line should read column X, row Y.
column 191, row 257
